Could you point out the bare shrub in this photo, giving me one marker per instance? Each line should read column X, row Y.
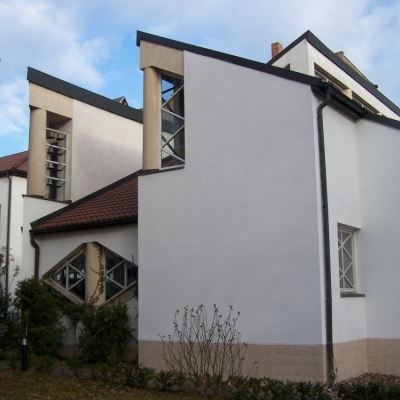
column 206, row 353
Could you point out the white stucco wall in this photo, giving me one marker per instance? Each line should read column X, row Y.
column 298, row 58
column 121, row 239
column 33, row 209
column 104, row 148
column 349, row 321
column 378, row 240
column 239, row 224
column 16, row 222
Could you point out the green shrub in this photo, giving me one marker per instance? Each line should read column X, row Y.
column 312, row 391
column 104, row 334
column 43, row 364
column 166, row 380
column 374, row 390
column 3, row 365
column 134, row 375
column 40, row 317
column 75, row 365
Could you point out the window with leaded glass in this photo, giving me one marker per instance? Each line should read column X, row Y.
column 119, row 274
column 71, row 275
column 172, row 122
column 346, row 260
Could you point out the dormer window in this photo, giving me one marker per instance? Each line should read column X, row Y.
column 172, row 122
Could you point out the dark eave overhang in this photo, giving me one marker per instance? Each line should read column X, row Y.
column 92, row 225
column 13, row 172
column 339, row 100
column 350, row 107
column 229, row 58
column 83, row 95
column 315, row 42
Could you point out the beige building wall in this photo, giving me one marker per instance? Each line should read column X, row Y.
column 155, row 60
column 304, row 363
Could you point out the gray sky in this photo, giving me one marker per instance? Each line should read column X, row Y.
column 92, row 43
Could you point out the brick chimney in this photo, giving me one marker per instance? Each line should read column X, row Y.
column 276, row 48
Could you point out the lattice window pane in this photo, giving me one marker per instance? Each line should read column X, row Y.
column 71, row 276
column 346, row 260
column 111, row 289
column 172, row 122
column 120, row 273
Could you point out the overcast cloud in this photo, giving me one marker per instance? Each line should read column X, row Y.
column 92, row 43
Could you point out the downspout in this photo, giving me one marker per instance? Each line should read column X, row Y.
column 35, row 245
column 8, row 238
column 325, row 227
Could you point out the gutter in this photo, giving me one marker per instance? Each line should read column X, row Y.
column 8, row 238
column 325, row 227
column 35, row 245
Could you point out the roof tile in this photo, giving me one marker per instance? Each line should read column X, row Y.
column 115, row 203
column 16, row 162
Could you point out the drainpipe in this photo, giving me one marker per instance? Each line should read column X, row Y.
column 325, row 227
column 35, row 245
column 8, row 238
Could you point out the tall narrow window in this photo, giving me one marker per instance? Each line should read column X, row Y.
column 71, row 275
column 172, row 122
column 346, row 260
column 56, row 163
column 119, row 274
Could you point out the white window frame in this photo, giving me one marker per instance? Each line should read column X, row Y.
column 66, row 264
column 107, row 276
column 163, row 145
column 341, row 251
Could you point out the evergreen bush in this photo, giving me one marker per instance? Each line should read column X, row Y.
column 104, row 334
column 40, row 317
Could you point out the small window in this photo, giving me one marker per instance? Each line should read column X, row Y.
column 71, row 275
column 346, row 260
column 56, row 163
column 172, row 122
column 119, row 274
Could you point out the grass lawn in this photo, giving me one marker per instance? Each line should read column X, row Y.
column 17, row 385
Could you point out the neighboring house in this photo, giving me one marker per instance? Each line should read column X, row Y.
column 278, row 196
column 13, row 172
column 310, row 56
column 79, row 142
column 97, row 231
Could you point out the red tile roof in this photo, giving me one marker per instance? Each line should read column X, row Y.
column 114, row 204
column 15, row 162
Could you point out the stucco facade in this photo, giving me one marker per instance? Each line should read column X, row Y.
column 238, row 215
column 15, row 223
column 101, row 143
column 245, row 223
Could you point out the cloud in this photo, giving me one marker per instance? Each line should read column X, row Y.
column 45, row 36
column 14, row 108
column 92, row 43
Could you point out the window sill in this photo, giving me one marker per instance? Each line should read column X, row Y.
column 348, row 294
